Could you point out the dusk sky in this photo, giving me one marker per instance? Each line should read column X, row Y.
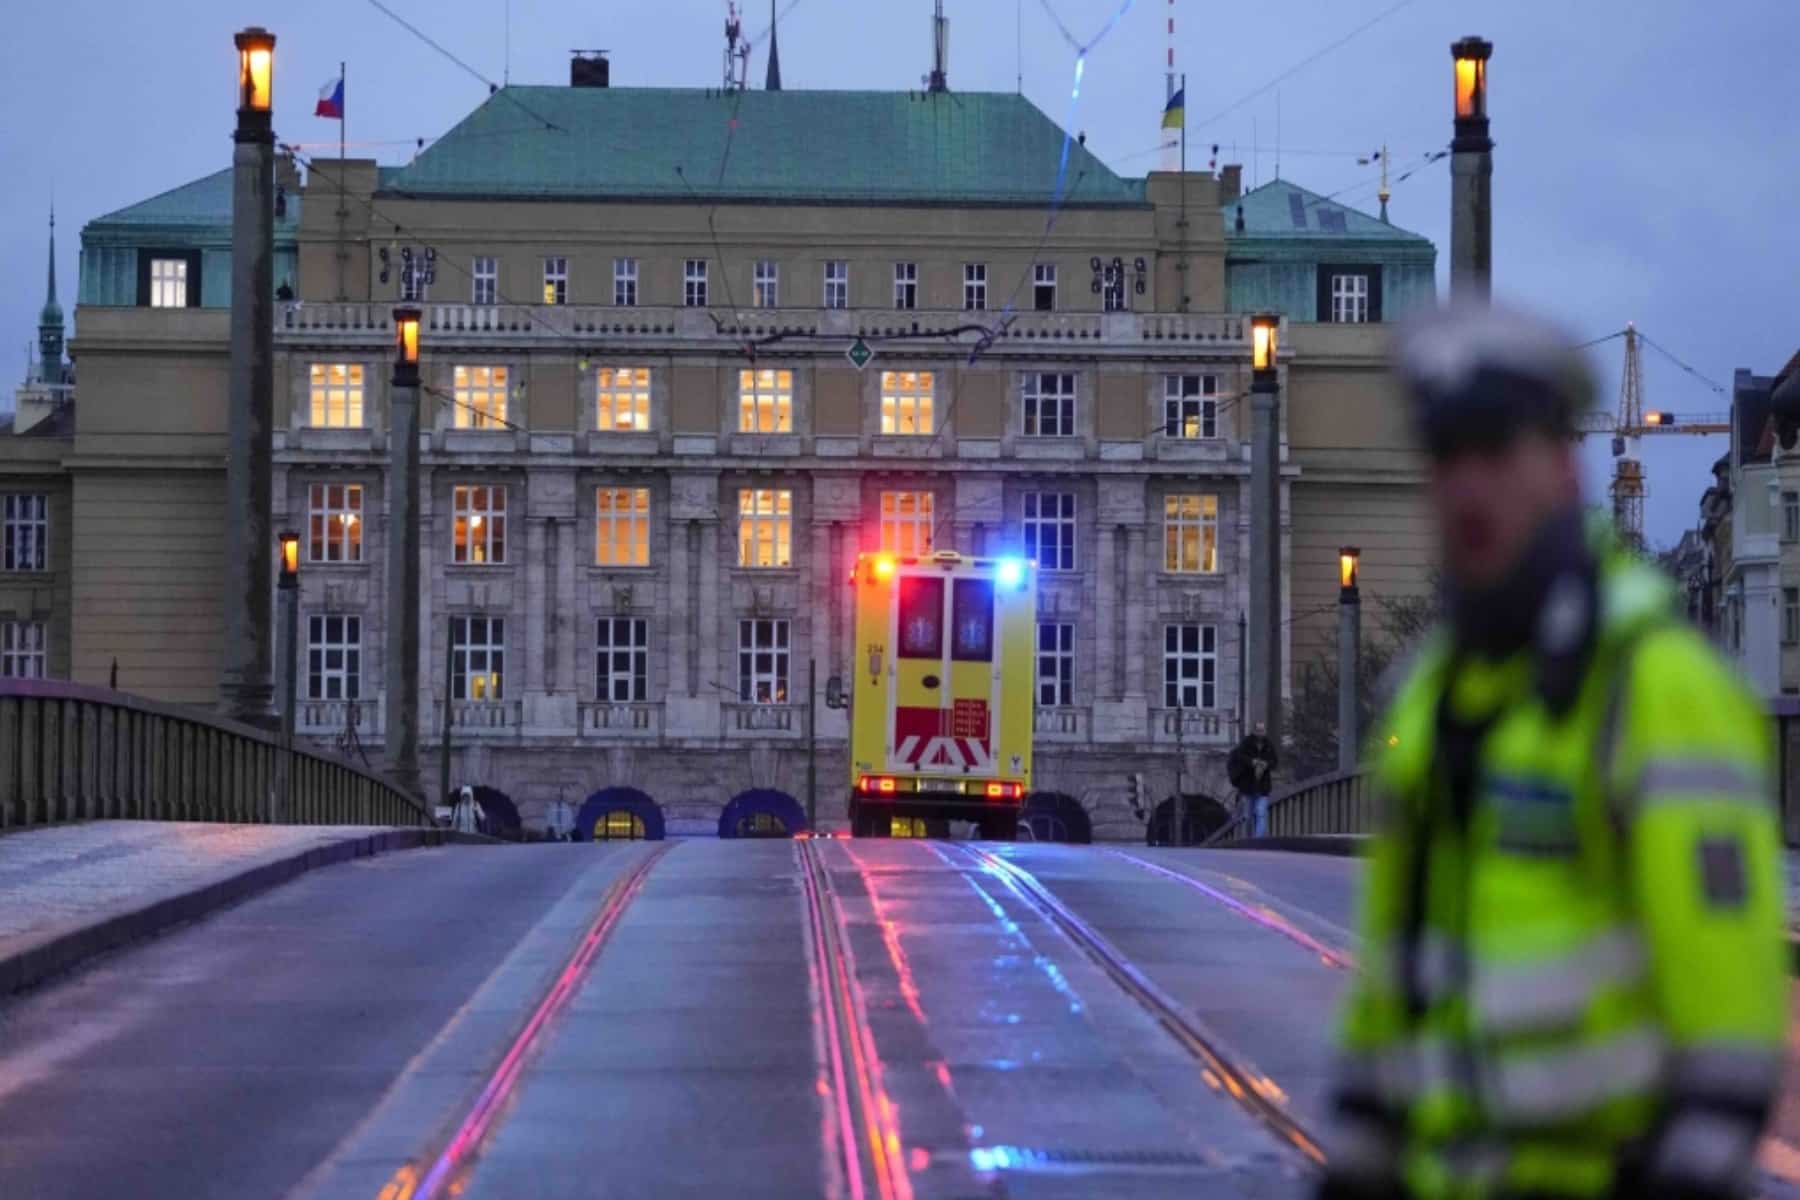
column 1646, row 168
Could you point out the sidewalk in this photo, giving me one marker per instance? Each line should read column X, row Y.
column 69, row 892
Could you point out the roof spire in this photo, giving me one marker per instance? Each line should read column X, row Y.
column 773, row 82
column 51, row 300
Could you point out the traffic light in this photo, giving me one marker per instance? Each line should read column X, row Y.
column 1134, row 791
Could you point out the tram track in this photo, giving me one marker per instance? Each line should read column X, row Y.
column 1251, row 1091
column 443, row 1168
column 1264, row 915
column 866, row 1140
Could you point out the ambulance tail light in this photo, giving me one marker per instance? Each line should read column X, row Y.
column 1005, row 791
column 877, row 785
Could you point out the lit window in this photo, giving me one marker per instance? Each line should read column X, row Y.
column 486, row 281
column 763, row 661
column 479, row 398
column 1055, row 664
column 1190, row 407
column 556, row 281
column 623, row 399
column 1190, row 534
column 477, row 658
column 333, row 657
column 625, row 280
column 907, row 402
column 837, row 284
column 906, row 285
column 337, row 395
column 767, row 291
column 478, row 513
column 168, row 282
column 1048, row 404
column 622, row 527
column 906, row 523
column 27, row 533
column 622, row 660
column 974, row 286
column 1349, row 299
column 1043, row 287
column 334, row 521
column 765, row 401
column 22, row 653
column 1190, row 666
column 1050, row 530
column 693, row 283
column 765, row 527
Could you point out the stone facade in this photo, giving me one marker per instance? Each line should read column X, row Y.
column 709, row 723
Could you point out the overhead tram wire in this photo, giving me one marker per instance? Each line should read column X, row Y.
column 493, row 88
column 1308, row 61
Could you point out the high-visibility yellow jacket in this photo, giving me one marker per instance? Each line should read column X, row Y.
column 1577, row 988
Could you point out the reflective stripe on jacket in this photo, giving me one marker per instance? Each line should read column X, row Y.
column 1587, row 975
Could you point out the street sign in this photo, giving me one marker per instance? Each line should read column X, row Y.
column 859, row 354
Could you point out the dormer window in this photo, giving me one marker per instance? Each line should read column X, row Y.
column 1349, row 293
column 168, row 279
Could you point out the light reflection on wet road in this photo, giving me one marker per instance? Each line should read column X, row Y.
column 860, row 1020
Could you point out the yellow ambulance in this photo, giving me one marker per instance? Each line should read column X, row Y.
column 941, row 706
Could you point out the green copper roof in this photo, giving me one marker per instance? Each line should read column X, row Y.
column 205, row 202
column 665, row 143
column 1286, row 210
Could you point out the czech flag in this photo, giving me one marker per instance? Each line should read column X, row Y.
column 331, row 100
column 1175, row 111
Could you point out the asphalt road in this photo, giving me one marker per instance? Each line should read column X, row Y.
column 670, row 1021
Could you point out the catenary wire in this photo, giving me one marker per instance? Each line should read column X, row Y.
column 491, row 85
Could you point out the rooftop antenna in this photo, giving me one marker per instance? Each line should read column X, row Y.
column 939, row 79
column 1384, row 193
column 1019, row 41
column 737, row 50
column 1277, row 133
column 506, row 68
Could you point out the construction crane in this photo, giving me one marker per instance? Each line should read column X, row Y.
column 1631, row 423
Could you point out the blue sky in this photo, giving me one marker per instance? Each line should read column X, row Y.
column 1646, row 169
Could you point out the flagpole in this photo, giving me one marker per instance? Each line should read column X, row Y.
column 343, row 208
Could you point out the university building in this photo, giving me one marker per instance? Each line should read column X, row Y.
column 686, row 354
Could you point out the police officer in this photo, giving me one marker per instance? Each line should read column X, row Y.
column 1575, row 972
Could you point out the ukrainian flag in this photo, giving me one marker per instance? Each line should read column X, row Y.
column 1175, row 111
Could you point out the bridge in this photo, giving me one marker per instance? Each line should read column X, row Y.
column 791, row 1017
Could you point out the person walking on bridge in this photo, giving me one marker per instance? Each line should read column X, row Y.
column 1575, row 968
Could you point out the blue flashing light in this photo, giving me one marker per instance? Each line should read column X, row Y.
column 1011, row 572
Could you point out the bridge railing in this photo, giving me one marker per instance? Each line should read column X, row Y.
column 70, row 752
column 1342, row 802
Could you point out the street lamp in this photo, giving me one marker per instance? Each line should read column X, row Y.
column 245, row 686
column 288, row 660
column 1349, row 653
column 256, row 69
column 1265, row 525
column 1471, row 56
column 1471, row 173
column 400, row 736
column 1265, row 342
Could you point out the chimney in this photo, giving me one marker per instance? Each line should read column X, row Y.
column 1231, row 182
column 589, row 69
